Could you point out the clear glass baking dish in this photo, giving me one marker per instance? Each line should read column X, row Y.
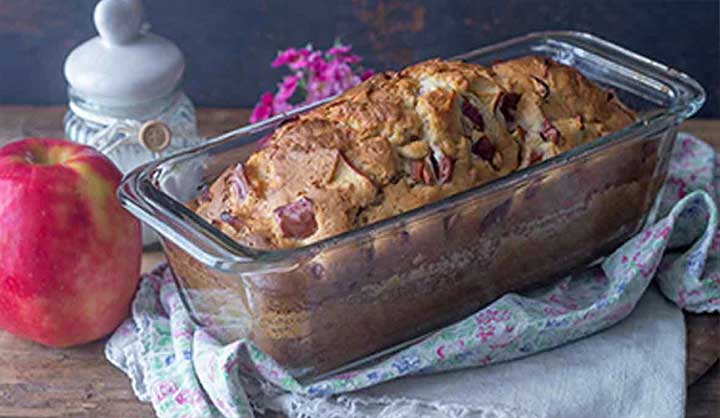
column 352, row 297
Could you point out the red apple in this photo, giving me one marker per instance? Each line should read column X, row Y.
column 69, row 253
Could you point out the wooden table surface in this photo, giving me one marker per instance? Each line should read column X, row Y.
column 79, row 382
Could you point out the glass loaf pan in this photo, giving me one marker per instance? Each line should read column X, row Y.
column 346, row 299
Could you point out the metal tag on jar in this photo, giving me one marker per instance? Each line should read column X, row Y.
column 155, row 135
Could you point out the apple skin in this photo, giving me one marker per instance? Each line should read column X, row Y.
column 69, row 253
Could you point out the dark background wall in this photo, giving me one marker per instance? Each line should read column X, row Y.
column 230, row 43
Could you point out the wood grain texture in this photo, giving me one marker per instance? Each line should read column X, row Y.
column 703, row 344
column 39, row 382
column 46, row 121
column 79, row 382
column 703, row 397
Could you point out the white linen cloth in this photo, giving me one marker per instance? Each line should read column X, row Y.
column 635, row 369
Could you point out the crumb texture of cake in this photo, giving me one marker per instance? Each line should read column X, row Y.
column 402, row 140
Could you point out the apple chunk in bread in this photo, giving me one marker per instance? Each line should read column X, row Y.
column 352, row 189
column 337, row 202
column 297, row 219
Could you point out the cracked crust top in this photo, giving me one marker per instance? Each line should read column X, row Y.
column 401, row 140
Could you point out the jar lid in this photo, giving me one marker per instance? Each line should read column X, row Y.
column 126, row 64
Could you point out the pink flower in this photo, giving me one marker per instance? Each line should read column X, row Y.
column 286, row 89
column 305, row 56
column 264, row 108
column 282, row 107
column 351, row 59
column 320, row 74
column 336, row 78
column 339, row 50
column 317, row 90
column 318, row 68
column 366, row 74
column 332, row 70
column 285, row 57
column 308, row 60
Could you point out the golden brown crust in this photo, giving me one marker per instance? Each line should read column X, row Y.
column 402, row 140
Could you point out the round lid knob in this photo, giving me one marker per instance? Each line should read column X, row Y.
column 125, row 64
column 119, row 21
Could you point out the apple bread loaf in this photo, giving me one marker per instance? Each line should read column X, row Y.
column 401, row 140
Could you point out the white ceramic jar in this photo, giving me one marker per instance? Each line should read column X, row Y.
column 125, row 94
